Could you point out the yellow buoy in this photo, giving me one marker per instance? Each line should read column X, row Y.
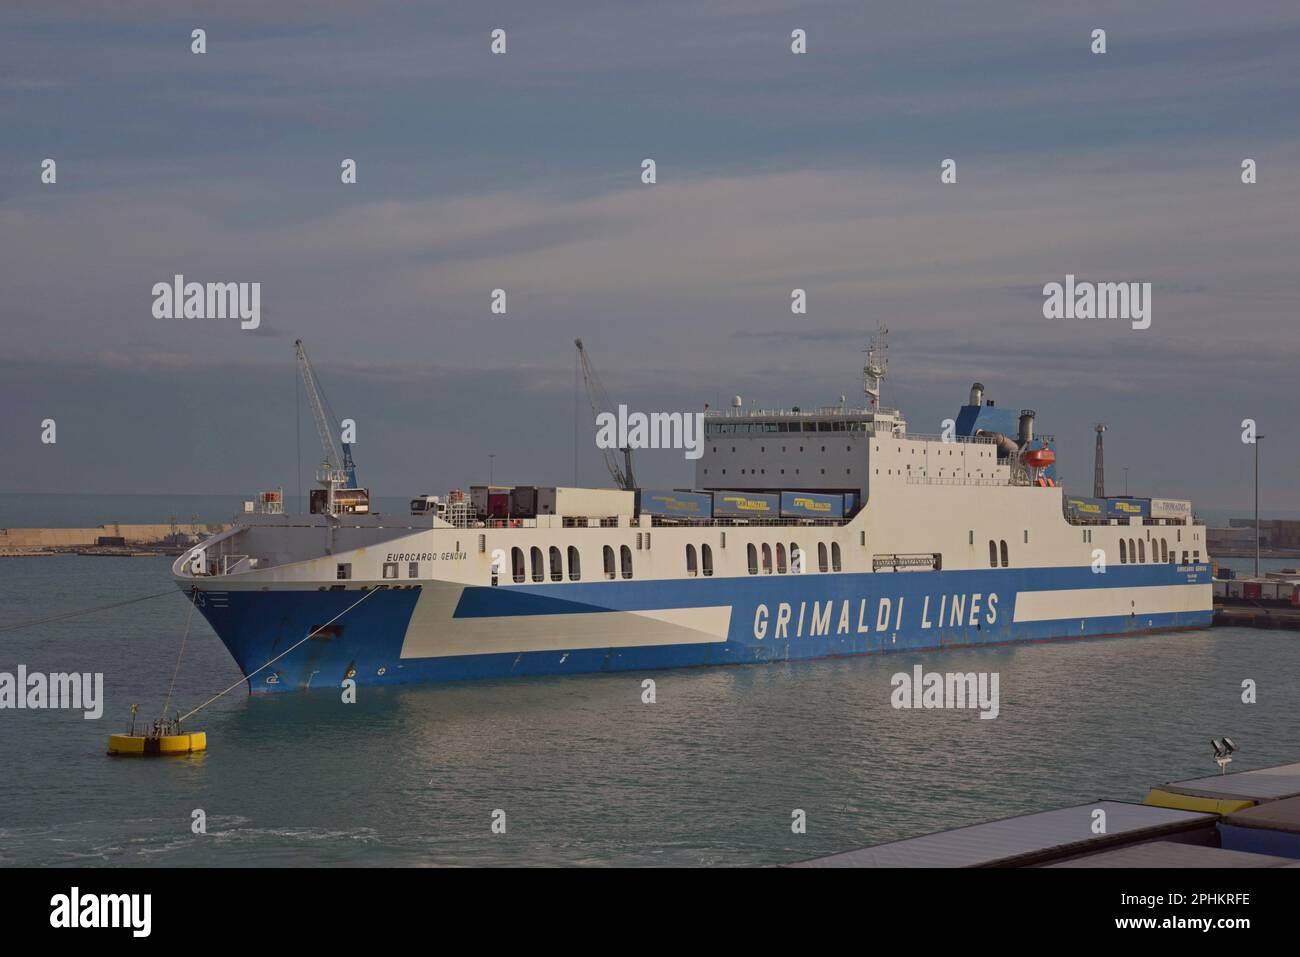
column 164, row 737
column 187, row 743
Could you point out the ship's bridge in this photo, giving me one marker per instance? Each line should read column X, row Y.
column 840, row 450
column 823, row 450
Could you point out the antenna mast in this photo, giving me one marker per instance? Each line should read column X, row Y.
column 876, row 366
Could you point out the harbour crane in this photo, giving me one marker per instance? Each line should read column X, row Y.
column 337, row 470
column 600, row 402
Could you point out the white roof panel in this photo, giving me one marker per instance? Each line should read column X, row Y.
column 1027, row 839
column 1265, row 784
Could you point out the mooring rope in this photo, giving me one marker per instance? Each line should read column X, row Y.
column 185, row 637
column 249, row 676
column 84, row 611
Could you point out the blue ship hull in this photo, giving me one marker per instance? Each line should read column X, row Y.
column 824, row 615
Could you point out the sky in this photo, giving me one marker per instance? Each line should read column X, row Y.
column 522, row 172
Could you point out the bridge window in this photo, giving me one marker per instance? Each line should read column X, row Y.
column 993, row 554
column 691, row 570
column 539, row 570
column 706, row 560
column 557, row 565
column 575, row 564
column 517, row 563
column 344, row 571
column 412, row 569
column 780, row 559
column 625, row 554
column 835, row 556
column 767, row 559
column 390, row 569
column 1003, row 544
column 821, row 556
column 752, row 554
column 610, row 572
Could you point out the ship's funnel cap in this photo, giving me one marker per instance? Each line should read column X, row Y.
column 1026, row 425
column 977, row 394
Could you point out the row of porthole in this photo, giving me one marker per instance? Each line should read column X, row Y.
column 519, row 570
column 1136, row 553
column 796, row 563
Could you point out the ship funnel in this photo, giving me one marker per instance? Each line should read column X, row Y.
column 1026, row 427
column 977, row 394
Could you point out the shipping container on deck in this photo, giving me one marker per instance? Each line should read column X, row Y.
column 746, row 505
column 811, row 505
column 480, row 497
column 1087, row 509
column 1124, row 507
column 667, row 503
column 498, row 505
column 1251, row 590
column 523, row 501
column 1236, row 588
column 1171, row 508
column 1220, row 588
column 584, row 502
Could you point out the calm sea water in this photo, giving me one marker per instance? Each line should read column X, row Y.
column 585, row 772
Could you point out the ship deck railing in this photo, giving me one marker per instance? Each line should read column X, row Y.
column 657, row 521
column 949, row 439
column 935, row 480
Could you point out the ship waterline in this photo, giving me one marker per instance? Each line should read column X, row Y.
column 443, row 631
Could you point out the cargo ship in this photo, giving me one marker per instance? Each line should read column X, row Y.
column 806, row 533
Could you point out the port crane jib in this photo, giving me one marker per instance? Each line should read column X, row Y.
column 600, row 402
column 337, row 473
